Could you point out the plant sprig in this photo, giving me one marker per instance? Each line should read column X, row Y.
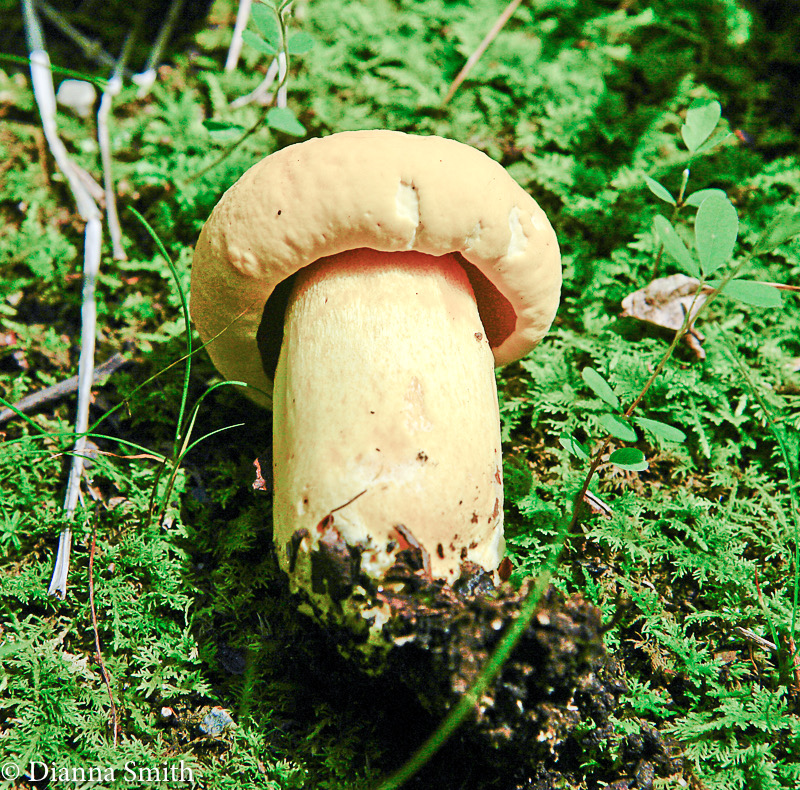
column 716, row 230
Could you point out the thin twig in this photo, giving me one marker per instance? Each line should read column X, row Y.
column 261, row 93
column 752, row 636
column 113, row 88
column 235, row 50
column 89, row 184
column 104, row 140
column 103, row 670
column 282, row 99
column 62, row 388
column 58, row 584
column 147, row 78
column 45, row 95
column 476, row 55
column 92, row 48
column 46, row 99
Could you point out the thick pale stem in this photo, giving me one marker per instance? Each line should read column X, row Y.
column 385, row 395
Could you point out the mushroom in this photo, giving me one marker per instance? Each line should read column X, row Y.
column 365, row 285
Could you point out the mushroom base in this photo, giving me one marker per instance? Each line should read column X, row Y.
column 386, row 426
column 542, row 719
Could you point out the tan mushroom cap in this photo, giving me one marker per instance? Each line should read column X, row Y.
column 383, row 190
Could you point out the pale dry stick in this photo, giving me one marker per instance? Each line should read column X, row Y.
column 90, row 185
column 104, row 139
column 476, row 55
column 282, row 99
column 261, row 93
column 753, row 637
column 146, row 79
column 44, row 93
column 113, row 88
column 235, row 49
column 94, row 233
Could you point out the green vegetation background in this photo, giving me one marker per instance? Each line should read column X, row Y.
column 579, row 99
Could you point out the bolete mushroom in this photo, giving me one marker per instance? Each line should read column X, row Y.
column 366, row 284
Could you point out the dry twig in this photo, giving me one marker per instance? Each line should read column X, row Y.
column 476, row 55
column 91, row 48
column 99, row 652
column 113, row 87
column 235, row 50
column 261, row 93
column 44, row 93
column 62, row 388
column 146, row 79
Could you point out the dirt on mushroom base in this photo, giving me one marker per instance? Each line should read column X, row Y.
column 547, row 714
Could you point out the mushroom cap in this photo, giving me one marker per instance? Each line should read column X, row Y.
column 383, row 190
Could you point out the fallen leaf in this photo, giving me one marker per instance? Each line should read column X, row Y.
column 665, row 302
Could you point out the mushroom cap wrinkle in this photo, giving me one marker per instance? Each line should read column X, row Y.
column 383, row 190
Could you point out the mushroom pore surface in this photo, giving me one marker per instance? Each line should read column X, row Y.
column 386, row 426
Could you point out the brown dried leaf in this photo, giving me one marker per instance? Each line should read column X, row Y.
column 665, row 302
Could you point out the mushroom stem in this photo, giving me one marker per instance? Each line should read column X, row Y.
column 384, row 399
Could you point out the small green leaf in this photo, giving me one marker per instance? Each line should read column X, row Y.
column 781, row 229
column 696, row 198
column 701, row 120
column 658, row 190
column 282, row 119
column 629, row 458
column 715, row 229
column 255, row 41
column 713, row 142
column 617, row 427
column 300, row 43
column 600, row 387
column 222, row 126
column 675, row 247
column 661, row 429
column 267, row 23
column 222, row 131
column 750, row 292
column 573, row 446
